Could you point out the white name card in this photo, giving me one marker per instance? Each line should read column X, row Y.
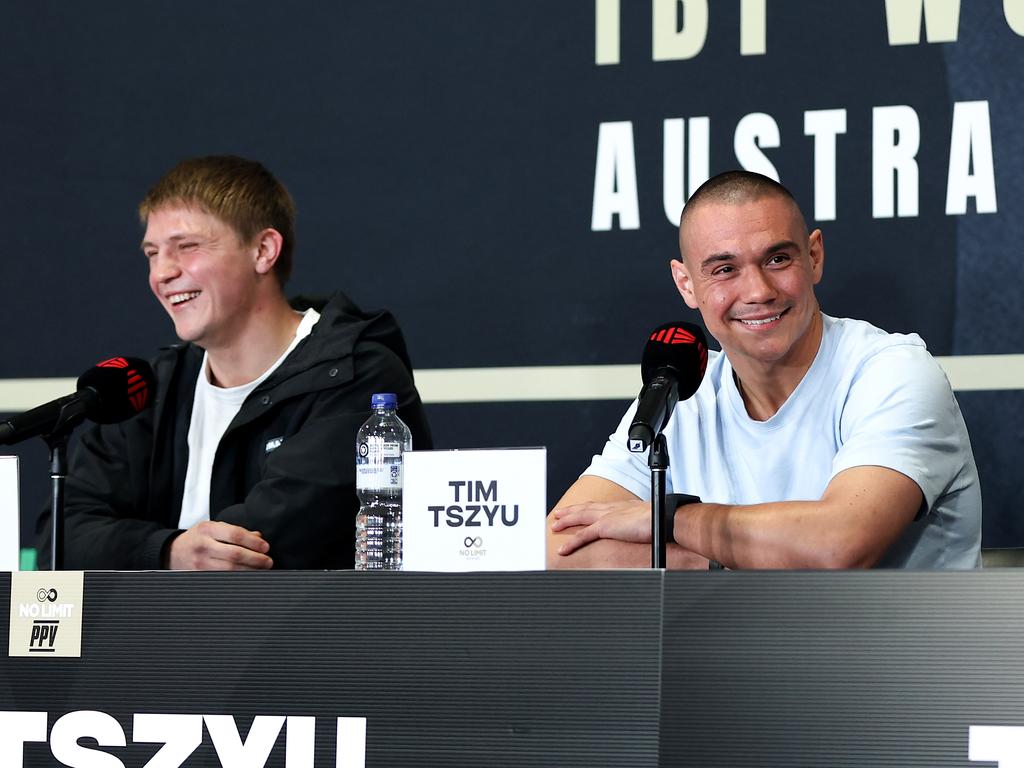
column 480, row 510
column 10, row 540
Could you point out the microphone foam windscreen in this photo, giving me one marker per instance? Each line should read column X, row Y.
column 125, row 385
column 680, row 346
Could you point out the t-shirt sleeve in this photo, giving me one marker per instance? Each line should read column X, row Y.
column 900, row 413
column 618, row 464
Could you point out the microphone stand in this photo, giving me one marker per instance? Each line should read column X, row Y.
column 71, row 415
column 58, row 444
column 658, row 462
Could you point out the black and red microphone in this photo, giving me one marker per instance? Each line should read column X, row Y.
column 673, row 366
column 123, row 385
column 111, row 391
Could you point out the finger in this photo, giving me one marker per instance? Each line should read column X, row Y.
column 579, row 539
column 571, row 508
column 580, row 514
column 237, row 535
column 223, row 565
column 231, row 557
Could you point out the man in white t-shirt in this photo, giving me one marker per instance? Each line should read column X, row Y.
column 812, row 442
column 246, row 460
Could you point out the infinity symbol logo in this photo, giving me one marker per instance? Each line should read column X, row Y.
column 473, row 542
column 42, row 595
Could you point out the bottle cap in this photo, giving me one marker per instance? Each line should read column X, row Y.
column 385, row 399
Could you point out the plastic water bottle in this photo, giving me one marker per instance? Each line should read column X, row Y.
column 380, row 443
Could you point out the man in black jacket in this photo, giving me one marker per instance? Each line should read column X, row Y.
column 246, row 460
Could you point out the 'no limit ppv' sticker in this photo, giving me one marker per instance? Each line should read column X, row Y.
column 46, row 614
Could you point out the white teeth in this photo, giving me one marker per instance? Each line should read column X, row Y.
column 178, row 298
column 761, row 322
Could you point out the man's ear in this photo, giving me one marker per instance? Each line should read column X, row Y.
column 681, row 277
column 816, row 251
column 268, row 248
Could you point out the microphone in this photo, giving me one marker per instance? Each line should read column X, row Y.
column 111, row 391
column 673, row 365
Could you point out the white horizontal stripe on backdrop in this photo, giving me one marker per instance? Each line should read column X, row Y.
column 967, row 373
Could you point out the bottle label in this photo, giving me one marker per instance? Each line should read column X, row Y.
column 382, row 477
column 379, row 466
column 378, row 450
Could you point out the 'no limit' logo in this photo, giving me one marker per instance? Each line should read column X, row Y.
column 44, row 631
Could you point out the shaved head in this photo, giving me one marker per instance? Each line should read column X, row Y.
column 736, row 188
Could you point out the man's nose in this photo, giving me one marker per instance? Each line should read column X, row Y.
column 163, row 266
column 758, row 287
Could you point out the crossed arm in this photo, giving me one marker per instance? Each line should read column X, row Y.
column 588, row 500
column 599, row 524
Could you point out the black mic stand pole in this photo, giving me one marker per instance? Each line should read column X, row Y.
column 58, row 444
column 658, row 462
column 71, row 415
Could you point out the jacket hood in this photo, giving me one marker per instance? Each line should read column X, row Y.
column 341, row 325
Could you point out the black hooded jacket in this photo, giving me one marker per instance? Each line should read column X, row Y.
column 285, row 466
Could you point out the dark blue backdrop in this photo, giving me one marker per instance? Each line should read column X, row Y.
column 442, row 155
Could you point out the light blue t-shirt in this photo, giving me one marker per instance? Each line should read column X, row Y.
column 869, row 398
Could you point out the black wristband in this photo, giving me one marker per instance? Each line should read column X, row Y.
column 674, row 501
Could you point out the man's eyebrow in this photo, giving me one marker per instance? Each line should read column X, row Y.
column 782, row 245
column 173, row 238
column 718, row 258
column 715, row 258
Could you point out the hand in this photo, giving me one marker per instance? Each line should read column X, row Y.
column 215, row 546
column 628, row 521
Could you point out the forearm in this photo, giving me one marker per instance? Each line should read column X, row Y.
column 110, row 522
column 95, row 541
column 605, row 554
column 737, row 536
column 858, row 518
column 304, row 528
column 792, row 534
column 610, row 554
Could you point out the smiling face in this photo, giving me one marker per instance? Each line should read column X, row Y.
column 750, row 268
column 203, row 275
